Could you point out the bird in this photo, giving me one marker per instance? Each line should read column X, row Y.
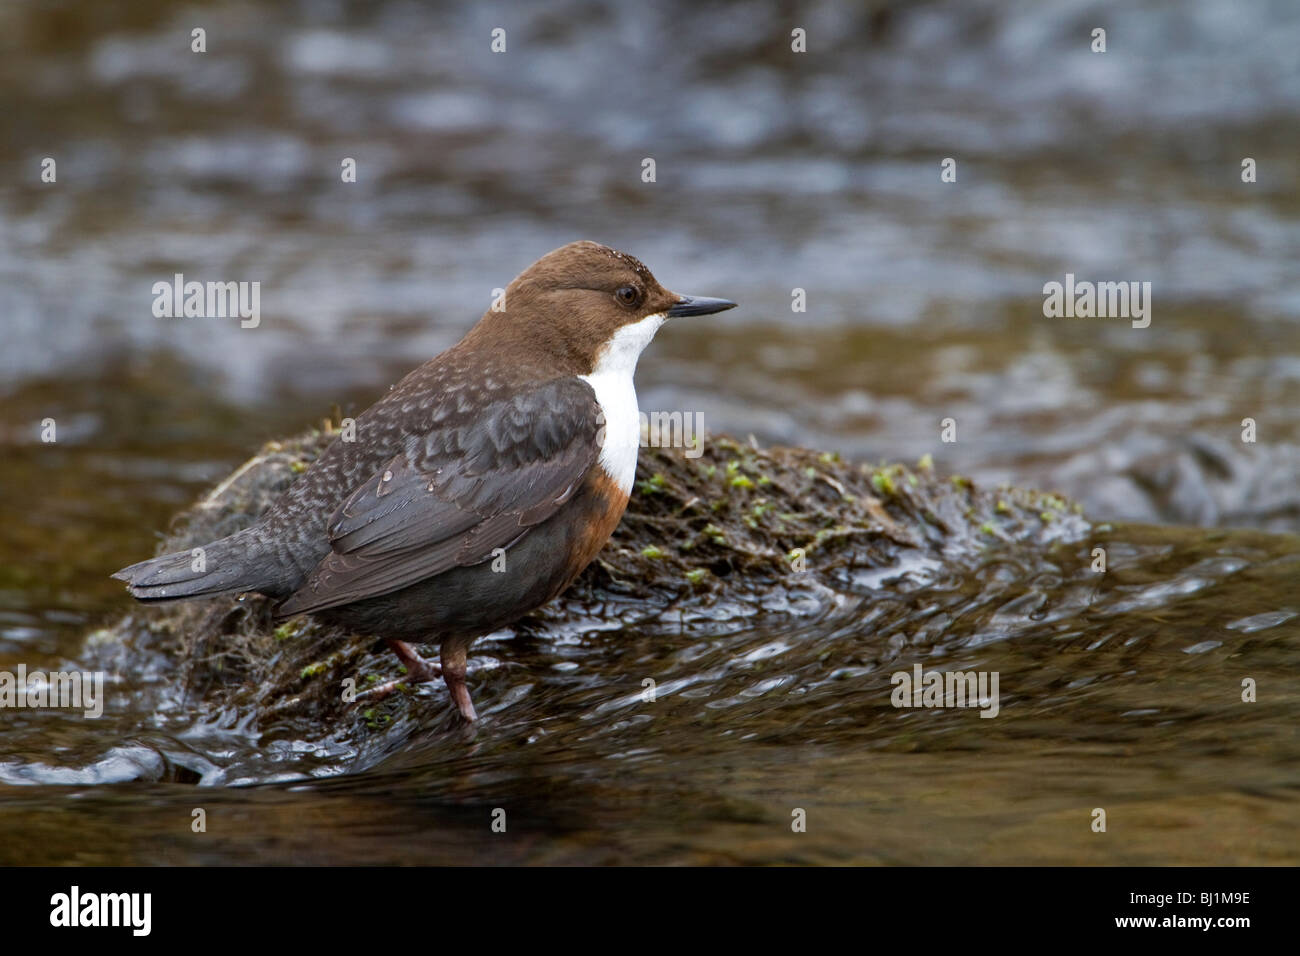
column 472, row 493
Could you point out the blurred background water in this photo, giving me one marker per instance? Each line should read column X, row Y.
column 775, row 171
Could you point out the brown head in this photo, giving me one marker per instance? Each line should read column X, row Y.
column 570, row 308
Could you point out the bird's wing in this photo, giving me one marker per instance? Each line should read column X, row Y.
column 457, row 493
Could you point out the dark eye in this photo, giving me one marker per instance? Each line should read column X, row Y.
column 628, row 294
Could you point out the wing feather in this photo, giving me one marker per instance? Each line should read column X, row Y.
column 456, row 494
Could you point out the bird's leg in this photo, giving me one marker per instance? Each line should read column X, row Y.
column 454, row 669
column 418, row 671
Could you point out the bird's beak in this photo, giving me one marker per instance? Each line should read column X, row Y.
column 699, row 305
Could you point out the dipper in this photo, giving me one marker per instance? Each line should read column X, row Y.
column 477, row 489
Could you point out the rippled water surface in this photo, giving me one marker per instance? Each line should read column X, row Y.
column 1120, row 690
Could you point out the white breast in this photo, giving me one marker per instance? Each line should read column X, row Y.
column 611, row 380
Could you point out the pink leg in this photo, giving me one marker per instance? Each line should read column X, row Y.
column 418, row 671
column 454, row 670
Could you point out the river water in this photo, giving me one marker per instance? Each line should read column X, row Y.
column 775, row 171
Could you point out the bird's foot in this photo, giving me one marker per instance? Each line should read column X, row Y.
column 460, row 694
column 418, row 671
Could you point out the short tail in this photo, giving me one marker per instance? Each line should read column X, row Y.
column 222, row 567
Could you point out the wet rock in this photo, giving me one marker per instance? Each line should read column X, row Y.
column 732, row 531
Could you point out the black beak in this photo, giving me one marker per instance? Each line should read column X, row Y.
column 699, row 305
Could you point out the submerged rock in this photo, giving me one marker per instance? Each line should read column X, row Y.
column 734, row 530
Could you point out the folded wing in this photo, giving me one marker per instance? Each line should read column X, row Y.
column 457, row 493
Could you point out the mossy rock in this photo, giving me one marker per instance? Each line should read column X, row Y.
column 752, row 527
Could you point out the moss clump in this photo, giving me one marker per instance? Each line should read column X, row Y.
column 652, row 485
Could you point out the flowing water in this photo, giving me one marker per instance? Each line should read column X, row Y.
column 775, row 171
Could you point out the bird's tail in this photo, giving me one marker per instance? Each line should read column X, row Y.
column 221, row 567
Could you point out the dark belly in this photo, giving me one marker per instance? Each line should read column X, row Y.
column 468, row 602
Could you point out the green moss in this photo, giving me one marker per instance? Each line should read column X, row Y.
column 652, row 551
column 825, row 534
column 653, row 485
column 697, row 575
column 1054, row 503
column 883, row 482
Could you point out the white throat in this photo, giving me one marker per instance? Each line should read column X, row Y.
column 611, row 380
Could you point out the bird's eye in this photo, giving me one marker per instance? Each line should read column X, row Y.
column 628, row 294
